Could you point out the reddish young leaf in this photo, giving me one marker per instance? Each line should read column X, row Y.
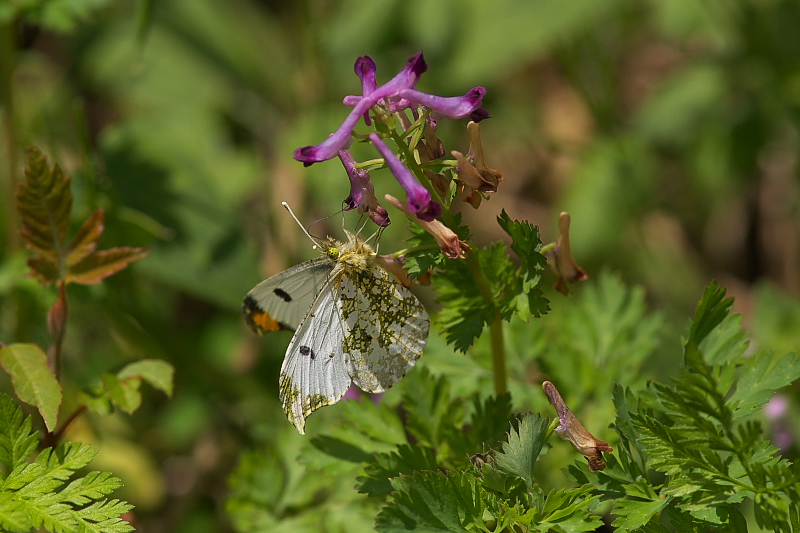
column 85, row 242
column 44, row 270
column 99, row 265
column 44, row 201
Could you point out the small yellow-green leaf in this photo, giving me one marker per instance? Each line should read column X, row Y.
column 96, row 401
column 124, row 394
column 97, row 266
column 33, row 381
column 159, row 374
column 85, row 242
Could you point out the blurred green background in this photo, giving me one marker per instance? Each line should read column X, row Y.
column 669, row 130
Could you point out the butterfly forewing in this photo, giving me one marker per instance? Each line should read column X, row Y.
column 281, row 302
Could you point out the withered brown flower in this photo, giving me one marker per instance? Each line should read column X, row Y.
column 572, row 430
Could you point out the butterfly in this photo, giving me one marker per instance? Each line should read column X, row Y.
column 353, row 322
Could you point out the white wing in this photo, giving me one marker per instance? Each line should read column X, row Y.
column 282, row 301
column 386, row 328
column 314, row 372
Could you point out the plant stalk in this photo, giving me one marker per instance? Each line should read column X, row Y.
column 495, row 328
column 7, row 58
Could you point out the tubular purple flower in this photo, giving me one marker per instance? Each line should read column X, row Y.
column 454, row 107
column 366, row 69
column 330, row 147
column 362, row 192
column 419, row 198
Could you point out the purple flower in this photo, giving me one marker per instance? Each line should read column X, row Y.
column 454, row 107
column 405, row 79
column 362, row 192
column 399, row 93
column 419, row 198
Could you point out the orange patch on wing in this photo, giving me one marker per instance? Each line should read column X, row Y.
column 263, row 321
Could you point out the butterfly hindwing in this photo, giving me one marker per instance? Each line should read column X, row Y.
column 314, row 372
column 281, row 302
column 387, row 328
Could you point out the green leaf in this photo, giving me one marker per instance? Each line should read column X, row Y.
column 526, row 293
column 95, row 400
column 712, row 310
column 760, row 376
column 465, row 313
column 429, row 408
column 568, row 510
column 123, row 393
column 519, row 454
column 433, row 501
column 34, row 495
column 33, row 381
column 17, row 440
column 488, row 423
column 633, row 514
column 155, row 372
column 378, row 472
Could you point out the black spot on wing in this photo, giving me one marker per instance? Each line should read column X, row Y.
column 305, row 350
column 282, row 294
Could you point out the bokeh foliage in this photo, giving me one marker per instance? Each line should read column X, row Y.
column 669, row 130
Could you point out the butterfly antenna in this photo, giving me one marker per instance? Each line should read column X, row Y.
column 313, row 239
column 377, row 236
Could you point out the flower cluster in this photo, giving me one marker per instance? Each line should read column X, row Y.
column 393, row 97
column 398, row 112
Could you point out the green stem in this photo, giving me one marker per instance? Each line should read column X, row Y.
column 495, row 328
column 7, row 57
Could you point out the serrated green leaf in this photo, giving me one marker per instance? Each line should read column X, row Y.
column 760, row 376
column 633, row 514
column 711, row 311
column 17, row 439
column 374, row 420
column 378, row 472
column 433, row 501
column 519, row 454
column 488, row 423
column 33, row 495
column 429, row 409
column 155, row 372
column 33, row 381
column 567, row 510
column 465, row 313
column 526, row 243
column 104, row 517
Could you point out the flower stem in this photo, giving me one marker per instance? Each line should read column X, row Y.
column 7, row 55
column 495, row 328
